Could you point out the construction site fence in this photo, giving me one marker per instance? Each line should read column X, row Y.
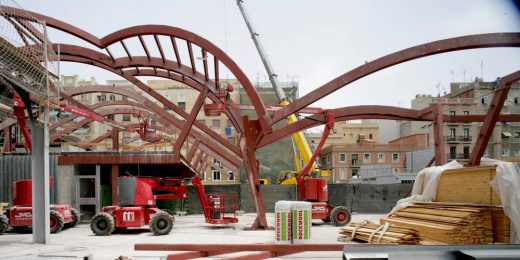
column 361, row 198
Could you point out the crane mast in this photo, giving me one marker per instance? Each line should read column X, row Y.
column 298, row 138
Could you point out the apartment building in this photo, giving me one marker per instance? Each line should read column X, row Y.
column 471, row 98
column 345, row 160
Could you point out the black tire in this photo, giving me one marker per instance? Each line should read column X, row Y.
column 340, row 216
column 75, row 217
column 4, row 224
column 56, row 222
column 161, row 223
column 102, row 224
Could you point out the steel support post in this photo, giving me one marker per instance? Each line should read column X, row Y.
column 438, row 135
column 7, row 140
column 114, row 175
column 247, row 146
column 40, row 182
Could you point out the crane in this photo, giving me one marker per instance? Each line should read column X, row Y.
column 311, row 187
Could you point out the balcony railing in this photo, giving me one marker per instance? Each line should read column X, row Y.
column 458, row 138
column 457, row 156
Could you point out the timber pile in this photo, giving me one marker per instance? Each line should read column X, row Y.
column 450, row 223
column 468, row 185
column 501, row 225
column 378, row 234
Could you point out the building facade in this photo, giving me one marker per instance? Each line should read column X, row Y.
column 345, row 160
column 471, row 98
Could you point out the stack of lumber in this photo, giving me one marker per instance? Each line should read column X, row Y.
column 468, row 185
column 378, row 234
column 446, row 223
column 501, row 225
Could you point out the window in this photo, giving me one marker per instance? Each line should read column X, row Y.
column 466, row 152
column 516, row 152
column 216, row 175
column 111, row 117
column 465, row 113
column 453, row 152
column 328, row 158
column 483, row 101
column 342, row 174
column 355, row 173
column 395, row 170
column 181, row 105
column 517, row 134
column 167, row 108
column 380, row 157
column 354, row 159
column 395, row 157
column 217, row 162
column 366, row 158
column 452, row 133
column 126, row 118
column 342, row 157
column 505, row 152
column 370, row 136
column 112, row 97
column 125, row 98
column 466, row 134
column 231, row 176
column 215, row 123
column 452, row 113
column 101, row 98
column 516, row 100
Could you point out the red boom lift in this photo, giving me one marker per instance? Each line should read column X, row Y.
column 137, row 200
column 19, row 216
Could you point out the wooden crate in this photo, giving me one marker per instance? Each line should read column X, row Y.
column 468, row 185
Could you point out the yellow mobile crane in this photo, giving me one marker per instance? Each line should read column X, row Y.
column 303, row 152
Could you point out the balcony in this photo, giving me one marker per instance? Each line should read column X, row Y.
column 457, row 156
column 457, row 138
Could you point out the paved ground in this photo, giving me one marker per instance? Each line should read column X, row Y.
column 79, row 242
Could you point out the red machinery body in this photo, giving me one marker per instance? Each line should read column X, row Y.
column 137, row 205
column 130, row 216
column 217, row 208
column 20, row 214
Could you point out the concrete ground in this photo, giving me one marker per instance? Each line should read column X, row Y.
column 79, row 242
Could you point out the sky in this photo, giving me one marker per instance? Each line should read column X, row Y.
column 313, row 41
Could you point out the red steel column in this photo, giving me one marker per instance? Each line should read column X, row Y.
column 114, row 175
column 115, row 139
column 438, row 135
column 7, row 140
column 188, row 125
column 492, row 117
column 248, row 148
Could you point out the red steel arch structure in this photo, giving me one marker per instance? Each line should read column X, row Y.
column 258, row 133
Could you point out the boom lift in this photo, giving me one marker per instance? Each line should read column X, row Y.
column 313, row 187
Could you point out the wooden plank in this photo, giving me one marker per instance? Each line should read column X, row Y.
column 470, row 185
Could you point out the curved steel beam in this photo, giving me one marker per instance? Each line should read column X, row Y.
column 419, row 51
column 154, row 30
column 204, row 45
column 370, row 112
column 88, row 56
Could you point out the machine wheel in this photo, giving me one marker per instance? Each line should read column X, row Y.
column 326, row 220
column 340, row 216
column 4, row 224
column 75, row 217
column 102, row 224
column 161, row 223
column 57, row 221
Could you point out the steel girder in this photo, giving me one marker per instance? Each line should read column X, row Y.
column 419, row 51
column 492, row 116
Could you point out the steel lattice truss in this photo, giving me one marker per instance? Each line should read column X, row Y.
column 195, row 136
